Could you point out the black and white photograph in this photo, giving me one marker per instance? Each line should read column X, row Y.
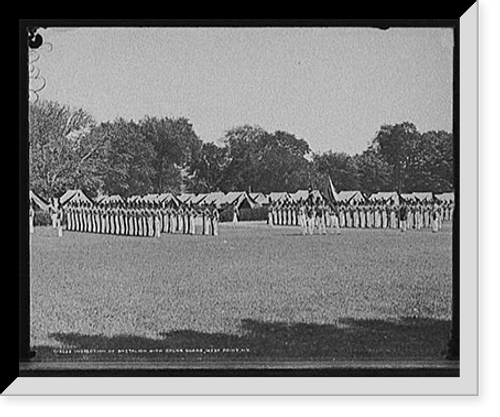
column 236, row 197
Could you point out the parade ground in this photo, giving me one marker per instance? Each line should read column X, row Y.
column 251, row 292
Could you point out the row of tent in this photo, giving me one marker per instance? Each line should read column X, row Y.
column 242, row 199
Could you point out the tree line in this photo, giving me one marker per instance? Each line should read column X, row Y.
column 68, row 149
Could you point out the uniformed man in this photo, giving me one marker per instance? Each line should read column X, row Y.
column 355, row 215
column 89, row 218
column 214, row 217
column 180, row 219
column 368, row 215
column 195, row 213
column 310, row 218
column 150, row 219
column 385, row 214
column 147, row 220
column 118, row 220
column 138, row 218
column 170, row 217
column 92, row 218
column 425, row 214
column 165, row 219
column 76, row 216
column 302, row 217
column 435, row 217
column 205, row 220
column 411, row 215
column 130, row 218
column 53, row 212
column 110, row 217
column 156, row 214
column 32, row 217
column 275, row 213
column 135, row 218
column 106, row 218
column 341, row 214
column 362, row 215
column 403, row 216
column 81, row 216
column 69, row 216
column 173, row 218
column 59, row 220
column 335, row 218
column 320, row 215
column 121, row 219
column 97, row 217
column 83, row 213
column 186, row 219
column 440, row 215
column 236, row 214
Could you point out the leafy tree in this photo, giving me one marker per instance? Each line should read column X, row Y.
column 435, row 167
column 419, row 162
column 283, row 165
column 68, row 150
column 373, row 174
column 339, row 166
column 395, row 144
column 242, row 155
column 263, row 161
column 207, row 168
column 175, row 144
column 62, row 152
column 129, row 159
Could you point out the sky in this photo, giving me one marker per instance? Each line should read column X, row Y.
column 333, row 87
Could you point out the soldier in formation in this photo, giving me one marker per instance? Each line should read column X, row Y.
column 147, row 219
column 32, row 217
column 320, row 216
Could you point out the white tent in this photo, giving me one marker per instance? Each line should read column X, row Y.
column 237, row 198
column 351, row 196
column 448, row 197
column 167, row 198
column 199, row 198
column 383, row 196
column 185, row 197
column 304, row 195
column 109, row 199
column 259, row 198
column 151, row 198
column 278, row 196
column 74, row 196
column 213, row 198
column 134, row 198
column 421, row 196
column 38, row 202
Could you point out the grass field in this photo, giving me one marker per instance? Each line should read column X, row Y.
column 250, row 292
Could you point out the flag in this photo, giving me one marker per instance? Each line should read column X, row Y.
column 331, row 192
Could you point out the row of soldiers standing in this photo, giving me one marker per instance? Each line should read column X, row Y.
column 319, row 215
column 148, row 219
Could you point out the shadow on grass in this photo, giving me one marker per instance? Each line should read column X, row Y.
column 349, row 339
